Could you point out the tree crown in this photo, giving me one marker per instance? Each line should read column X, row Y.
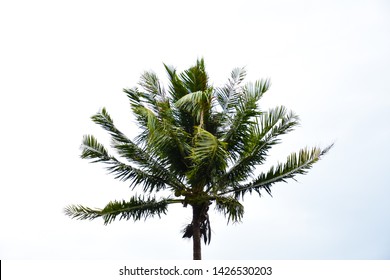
column 200, row 142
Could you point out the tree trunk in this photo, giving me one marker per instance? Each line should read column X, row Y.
column 197, row 249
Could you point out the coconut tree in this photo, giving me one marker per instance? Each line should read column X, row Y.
column 198, row 146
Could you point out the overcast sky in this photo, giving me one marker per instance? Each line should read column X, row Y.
column 329, row 61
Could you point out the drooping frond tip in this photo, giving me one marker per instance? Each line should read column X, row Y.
column 230, row 207
column 92, row 149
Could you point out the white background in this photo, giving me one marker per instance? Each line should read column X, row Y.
column 60, row 61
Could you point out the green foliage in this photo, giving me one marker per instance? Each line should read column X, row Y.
column 200, row 142
column 296, row 163
column 136, row 208
column 230, row 207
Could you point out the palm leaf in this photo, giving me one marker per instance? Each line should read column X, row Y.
column 296, row 163
column 258, row 139
column 230, row 207
column 153, row 178
column 103, row 119
column 208, row 156
column 176, row 89
column 236, row 124
column 92, row 149
column 136, row 208
column 151, row 163
column 195, row 78
column 228, row 95
column 258, row 88
column 198, row 104
column 150, row 82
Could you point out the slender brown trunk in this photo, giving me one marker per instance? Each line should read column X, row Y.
column 197, row 249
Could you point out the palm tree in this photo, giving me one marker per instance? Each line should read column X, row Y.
column 198, row 143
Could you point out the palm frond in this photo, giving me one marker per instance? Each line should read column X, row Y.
column 230, row 207
column 176, row 89
column 198, row 104
column 137, row 106
column 195, row 78
column 162, row 139
column 136, row 208
column 92, row 149
column 150, row 82
column 162, row 133
column 154, row 95
column 149, row 181
column 81, row 212
column 253, row 146
column 170, row 144
column 208, row 155
column 258, row 88
column 236, row 125
column 103, row 119
column 228, row 95
column 155, row 177
column 296, row 163
column 132, row 153
column 208, row 148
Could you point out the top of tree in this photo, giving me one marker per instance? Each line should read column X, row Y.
column 200, row 142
